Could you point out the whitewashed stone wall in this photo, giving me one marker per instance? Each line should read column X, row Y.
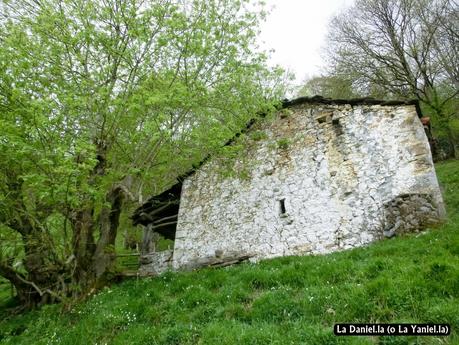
column 348, row 175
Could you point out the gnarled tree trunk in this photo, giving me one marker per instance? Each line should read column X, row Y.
column 48, row 278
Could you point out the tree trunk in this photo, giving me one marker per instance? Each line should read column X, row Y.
column 49, row 278
column 150, row 240
column 109, row 222
column 452, row 142
column 83, row 245
column 41, row 285
column 27, row 295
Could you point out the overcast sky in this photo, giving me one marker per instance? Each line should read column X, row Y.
column 296, row 30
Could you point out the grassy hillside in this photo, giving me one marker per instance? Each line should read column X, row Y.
column 292, row 300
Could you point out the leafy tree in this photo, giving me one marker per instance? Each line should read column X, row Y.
column 409, row 48
column 102, row 101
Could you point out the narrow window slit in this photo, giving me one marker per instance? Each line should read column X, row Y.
column 282, row 206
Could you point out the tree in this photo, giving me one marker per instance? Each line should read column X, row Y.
column 409, row 48
column 100, row 101
column 330, row 86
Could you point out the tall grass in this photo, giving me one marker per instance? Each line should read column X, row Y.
column 290, row 300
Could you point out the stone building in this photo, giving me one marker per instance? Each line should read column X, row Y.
column 319, row 176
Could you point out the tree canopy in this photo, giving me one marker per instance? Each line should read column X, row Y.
column 104, row 101
column 401, row 49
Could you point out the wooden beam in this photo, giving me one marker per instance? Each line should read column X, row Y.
column 175, row 216
column 153, row 209
column 162, row 225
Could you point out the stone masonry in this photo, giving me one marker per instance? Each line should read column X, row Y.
column 321, row 178
column 314, row 178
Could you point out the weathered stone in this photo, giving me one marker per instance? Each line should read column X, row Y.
column 371, row 178
column 156, row 263
column 418, row 149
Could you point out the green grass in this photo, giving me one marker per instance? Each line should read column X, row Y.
column 291, row 300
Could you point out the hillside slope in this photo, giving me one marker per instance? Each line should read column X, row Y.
column 292, row 300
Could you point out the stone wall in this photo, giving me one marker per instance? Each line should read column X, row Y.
column 314, row 179
column 155, row 263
